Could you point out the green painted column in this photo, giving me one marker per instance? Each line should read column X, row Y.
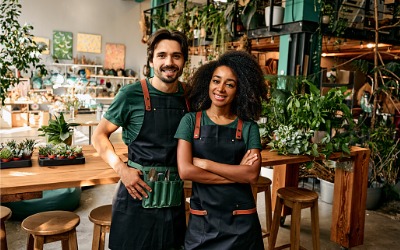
column 298, row 10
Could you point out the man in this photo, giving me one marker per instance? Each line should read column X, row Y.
column 149, row 112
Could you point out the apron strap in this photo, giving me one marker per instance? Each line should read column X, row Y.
column 197, row 126
column 146, row 95
column 196, row 134
column 239, row 129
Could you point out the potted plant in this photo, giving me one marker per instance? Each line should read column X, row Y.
column 43, row 151
column 305, row 113
column 15, row 148
column 18, row 51
column 383, row 165
column 28, row 147
column 58, row 130
column 6, row 155
column 77, row 150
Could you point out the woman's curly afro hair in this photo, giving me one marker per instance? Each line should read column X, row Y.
column 251, row 88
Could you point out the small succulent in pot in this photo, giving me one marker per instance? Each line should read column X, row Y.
column 77, row 151
column 6, row 154
column 28, row 147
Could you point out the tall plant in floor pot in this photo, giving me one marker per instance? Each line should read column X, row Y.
column 384, row 163
column 18, row 52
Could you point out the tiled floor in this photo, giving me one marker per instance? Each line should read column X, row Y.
column 381, row 232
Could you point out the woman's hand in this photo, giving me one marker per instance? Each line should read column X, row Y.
column 248, row 158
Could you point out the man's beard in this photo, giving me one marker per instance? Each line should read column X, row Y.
column 178, row 73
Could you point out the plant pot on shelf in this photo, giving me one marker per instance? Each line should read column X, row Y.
column 326, row 191
column 278, row 15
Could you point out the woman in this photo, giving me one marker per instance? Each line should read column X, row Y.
column 219, row 151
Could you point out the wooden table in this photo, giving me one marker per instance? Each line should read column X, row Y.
column 89, row 120
column 28, row 183
column 350, row 193
column 348, row 212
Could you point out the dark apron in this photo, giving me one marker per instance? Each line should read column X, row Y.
column 212, row 223
column 135, row 227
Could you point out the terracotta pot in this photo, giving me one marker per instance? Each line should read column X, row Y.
column 5, row 160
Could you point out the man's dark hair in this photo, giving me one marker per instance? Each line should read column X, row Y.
column 165, row 34
column 251, row 87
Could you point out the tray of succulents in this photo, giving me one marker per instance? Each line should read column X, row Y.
column 59, row 155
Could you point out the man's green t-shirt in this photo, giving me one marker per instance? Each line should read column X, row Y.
column 127, row 109
column 250, row 134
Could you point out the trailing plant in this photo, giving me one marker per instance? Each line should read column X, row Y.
column 58, row 130
column 18, row 52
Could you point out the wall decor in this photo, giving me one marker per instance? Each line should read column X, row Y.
column 62, row 45
column 88, row 43
column 114, row 56
column 45, row 41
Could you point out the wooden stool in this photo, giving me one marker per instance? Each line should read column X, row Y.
column 296, row 199
column 264, row 185
column 5, row 214
column 101, row 217
column 187, row 189
column 46, row 227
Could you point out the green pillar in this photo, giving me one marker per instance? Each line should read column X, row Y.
column 289, row 50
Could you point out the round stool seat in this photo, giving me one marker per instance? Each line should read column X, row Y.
column 263, row 182
column 50, row 223
column 101, row 215
column 295, row 194
column 5, row 213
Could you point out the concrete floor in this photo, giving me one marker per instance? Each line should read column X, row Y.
column 381, row 232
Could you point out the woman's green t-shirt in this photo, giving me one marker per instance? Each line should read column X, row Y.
column 250, row 134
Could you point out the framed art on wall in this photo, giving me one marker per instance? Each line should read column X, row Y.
column 88, row 43
column 62, row 45
column 44, row 41
column 115, row 56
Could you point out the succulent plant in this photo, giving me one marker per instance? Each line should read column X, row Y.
column 6, row 153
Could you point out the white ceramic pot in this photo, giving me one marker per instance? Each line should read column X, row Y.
column 326, row 191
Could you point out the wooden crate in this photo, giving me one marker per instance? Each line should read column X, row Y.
column 19, row 119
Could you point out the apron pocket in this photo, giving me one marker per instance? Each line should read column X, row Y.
column 175, row 193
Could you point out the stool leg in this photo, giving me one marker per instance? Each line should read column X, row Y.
column 73, row 240
column 275, row 224
column 3, row 241
column 29, row 242
column 315, row 225
column 96, row 237
column 102, row 238
column 38, row 242
column 268, row 210
column 295, row 227
column 65, row 244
